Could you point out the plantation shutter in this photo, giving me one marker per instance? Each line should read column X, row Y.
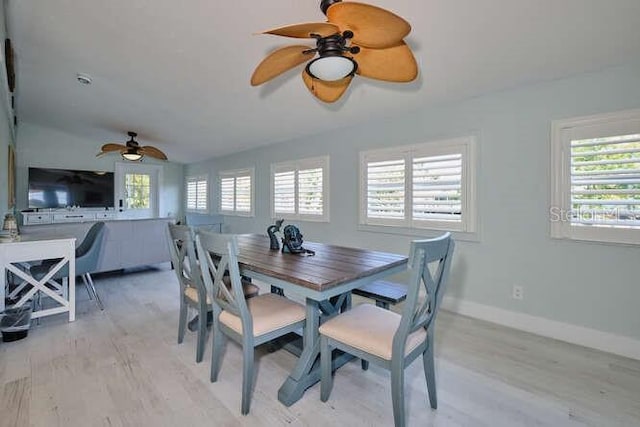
column 284, row 191
column 192, row 191
column 201, row 194
column 197, row 193
column 422, row 186
column 605, row 181
column 437, row 188
column 243, row 193
column 227, row 194
column 310, row 198
column 236, row 192
column 385, row 192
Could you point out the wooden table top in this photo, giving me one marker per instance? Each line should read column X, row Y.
column 329, row 267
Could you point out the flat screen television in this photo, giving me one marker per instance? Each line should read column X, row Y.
column 59, row 188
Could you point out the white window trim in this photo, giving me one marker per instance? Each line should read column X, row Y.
column 296, row 165
column 196, row 178
column 466, row 229
column 609, row 124
column 235, row 173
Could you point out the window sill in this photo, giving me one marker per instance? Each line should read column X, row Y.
column 419, row 232
column 240, row 215
column 597, row 235
column 596, row 241
column 301, row 219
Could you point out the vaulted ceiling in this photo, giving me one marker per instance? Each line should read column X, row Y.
column 178, row 72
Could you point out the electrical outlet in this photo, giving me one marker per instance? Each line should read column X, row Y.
column 517, row 292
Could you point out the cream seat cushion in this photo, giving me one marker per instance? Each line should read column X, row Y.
column 269, row 312
column 192, row 294
column 249, row 289
column 370, row 329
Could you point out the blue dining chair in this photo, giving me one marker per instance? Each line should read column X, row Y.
column 192, row 290
column 193, row 293
column 391, row 340
column 249, row 322
column 87, row 257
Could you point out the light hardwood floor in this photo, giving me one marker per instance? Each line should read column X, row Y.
column 123, row 367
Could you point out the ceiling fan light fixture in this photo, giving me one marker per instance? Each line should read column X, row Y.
column 132, row 155
column 332, row 68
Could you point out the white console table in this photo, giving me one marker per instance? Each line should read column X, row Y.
column 34, row 248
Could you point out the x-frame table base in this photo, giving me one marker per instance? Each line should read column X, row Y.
column 320, row 306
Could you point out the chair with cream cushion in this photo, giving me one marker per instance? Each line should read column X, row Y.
column 249, row 322
column 192, row 289
column 391, row 340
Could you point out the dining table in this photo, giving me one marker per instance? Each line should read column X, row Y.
column 325, row 281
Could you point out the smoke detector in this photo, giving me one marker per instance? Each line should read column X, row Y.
column 85, row 79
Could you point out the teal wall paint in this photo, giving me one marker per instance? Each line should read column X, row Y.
column 40, row 146
column 591, row 285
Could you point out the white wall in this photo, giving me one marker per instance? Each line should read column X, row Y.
column 591, row 285
column 39, row 146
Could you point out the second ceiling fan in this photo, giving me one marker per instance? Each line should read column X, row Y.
column 131, row 150
column 357, row 39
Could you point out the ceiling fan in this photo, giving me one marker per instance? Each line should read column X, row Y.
column 131, row 150
column 357, row 39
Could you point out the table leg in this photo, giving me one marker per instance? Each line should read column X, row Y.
column 298, row 381
column 307, row 370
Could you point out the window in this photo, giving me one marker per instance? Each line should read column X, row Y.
column 299, row 189
column 197, row 193
column 427, row 186
column 596, row 178
column 137, row 190
column 236, row 192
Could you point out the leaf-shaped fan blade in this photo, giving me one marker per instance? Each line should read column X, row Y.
column 107, row 148
column 150, row 151
column 391, row 64
column 279, row 61
column 304, row 30
column 372, row 26
column 326, row 91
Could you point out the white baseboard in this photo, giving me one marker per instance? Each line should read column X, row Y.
column 592, row 338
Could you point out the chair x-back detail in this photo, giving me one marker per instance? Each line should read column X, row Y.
column 192, row 290
column 385, row 338
column 249, row 322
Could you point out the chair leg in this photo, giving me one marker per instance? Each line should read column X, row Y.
column 397, row 392
column 182, row 320
column 247, row 375
column 430, row 372
column 202, row 333
column 326, row 380
column 95, row 292
column 216, row 348
column 86, row 287
column 37, row 301
column 364, row 364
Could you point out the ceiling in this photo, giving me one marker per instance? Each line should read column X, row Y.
column 178, row 72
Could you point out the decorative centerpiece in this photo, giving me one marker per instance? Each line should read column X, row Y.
column 292, row 241
column 271, row 231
